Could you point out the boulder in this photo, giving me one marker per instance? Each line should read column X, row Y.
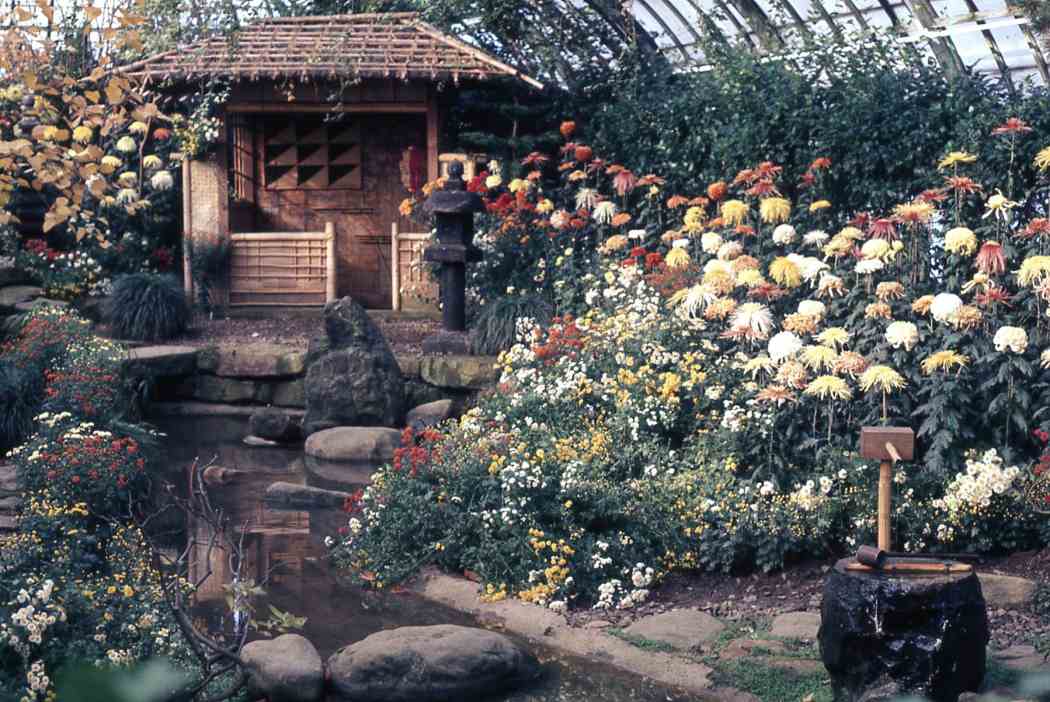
column 285, row 669
column 1006, row 591
column 428, row 415
column 338, row 476
column 161, row 361
column 354, row 444
column 294, row 495
column 681, row 628
column 459, row 372
column 289, row 393
column 357, row 381
column 429, row 664
column 12, row 295
column 274, row 424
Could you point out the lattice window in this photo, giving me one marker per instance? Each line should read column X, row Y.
column 305, row 153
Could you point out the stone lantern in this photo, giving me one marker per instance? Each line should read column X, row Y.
column 453, row 208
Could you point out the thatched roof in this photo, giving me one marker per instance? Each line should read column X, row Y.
column 381, row 45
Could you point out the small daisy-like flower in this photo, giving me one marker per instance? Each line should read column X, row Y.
column 828, row 387
column 945, row 361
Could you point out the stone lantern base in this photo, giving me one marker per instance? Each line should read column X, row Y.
column 883, row 635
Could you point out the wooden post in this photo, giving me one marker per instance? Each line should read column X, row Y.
column 187, row 230
column 888, row 445
column 330, row 264
column 433, row 131
column 395, row 270
column 885, row 493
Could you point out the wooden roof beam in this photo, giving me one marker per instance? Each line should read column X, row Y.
column 760, row 23
column 925, row 16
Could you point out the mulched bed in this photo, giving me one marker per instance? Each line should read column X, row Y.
column 404, row 334
column 799, row 587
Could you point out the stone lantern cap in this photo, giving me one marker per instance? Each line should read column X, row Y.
column 454, row 198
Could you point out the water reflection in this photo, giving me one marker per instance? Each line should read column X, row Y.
column 285, row 548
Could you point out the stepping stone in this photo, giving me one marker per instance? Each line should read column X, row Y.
column 1021, row 657
column 8, row 480
column 259, row 360
column 159, row 361
column 796, row 625
column 680, row 628
column 1006, row 591
column 373, row 444
column 428, row 415
column 8, row 522
column 304, row 495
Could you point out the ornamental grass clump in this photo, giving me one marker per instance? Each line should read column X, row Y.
column 147, row 307
column 499, row 322
column 16, row 406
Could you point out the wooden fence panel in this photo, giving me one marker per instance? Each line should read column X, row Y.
column 411, row 287
column 283, row 269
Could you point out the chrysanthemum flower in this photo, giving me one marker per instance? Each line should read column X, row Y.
column 868, row 266
column 944, row 305
column 82, row 134
column 1014, row 339
column 729, row 251
column 945, row 361
column 792, row 374
column 812, row 308
column 616, row 242
column 956, row 158
column 784, row 234
column 108, row 164
column 1044, row 358
column 720, row 308
column 774, row 210
column 835, row 337
column 878, row 310
column 1042, row 159
column 734, row 212
column 966, row 317
column 851, row 363
column 1033, row 269
column 819, row 205
column 126, row 196
column 818, row 356
column 126, row 145
column 493, row 181
column 753, row 317
column 990, row 258
column 800, row 323
column 162, row 180
column 749, row 278
column 587, row 198
column 914, row 213
column 999, row 206
column 604, row 212
column 900, row 334
column 883, row 228
column 921, row 306
column 151, row 162
column 717, row 190
column 889, row 290
column 876, row 248
column 828, row 387
column 744, row 262
column 815, row 237
column 1014, row 125
column 759, row 364
column 960, row 241
column 694, row 219
column 783, row 345
column 677, row 257
column 128, row 179
column 544, row 206
column 830, row 286
column 775, row 395
column 881, row 378
column 619, row 219
column 692, row 300
column 785, row 272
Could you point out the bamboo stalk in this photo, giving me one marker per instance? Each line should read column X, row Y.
column 395, row 269
column 330, row 287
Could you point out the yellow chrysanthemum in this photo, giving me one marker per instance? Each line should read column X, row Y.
column 694, row 219
column 734, row 212
column 1042, row 159
column 759, row 364
column 960, row 240
column 828, row 387
column 138, row 127
column 544, row 206
column 750, row 277
column 82, row 134
column 677, row 257
column 774, row 210
column 1033, row 269
column 834, row 337
column 918, row 212
column 881, row 378
column 944, row 361
column 956, row 158
column 817, row 357
column 838, row 246
column 876, row 249
column 820, row 205
column 785, row 272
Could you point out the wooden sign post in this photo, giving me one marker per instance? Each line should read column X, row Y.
column 887, row 445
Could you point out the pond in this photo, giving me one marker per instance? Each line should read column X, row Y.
column 285, row 547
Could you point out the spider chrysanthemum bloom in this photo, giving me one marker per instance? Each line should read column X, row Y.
column 752, row 318
column 881, row 378
column 785, row 272
column 834, row 337
column 1039, row 226
column 774, row 210
column 878, row 310
column 902, row 334
column 828, row 387
column 792, row 374
column 1014, row 125
column 800, row 323
column 998, row 205
column 914, row 213
column 960, row 241
column 759, row 364
column 775, row 395
column 734, row 212
column 851, row 363
column 1033, row 269
column 962, row 185
column 1042, row 159
column 945, row 360
column 966, row 317
column 889, row 290
column 815, row 237
column 921, row 305
column 677, row 257
column 990, row 258
column 830, row 286
column 817, row 357
column 1014, row 339
column 604, row 212
column 956, row 158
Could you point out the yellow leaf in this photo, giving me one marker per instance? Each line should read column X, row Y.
column 30, row 80
column 92, row 13
column 23, row 14
column 113, row 92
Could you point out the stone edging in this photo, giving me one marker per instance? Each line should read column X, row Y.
column 550, row 630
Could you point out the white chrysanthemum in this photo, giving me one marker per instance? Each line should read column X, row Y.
column 783, row 346
column 729, row 251
column 126, row 196
column 904, row 334
column 710, row 241
column 944, row 305
column 493, row 181
column 869, row 266
column 1044, row 359
column 1014, row 339
column 810, row 267
column 604, row 212
column 697, row 299
column 754, row 316
column 720, row 266
column 162, row 180
column 126, row 145
column 812, row 308
column 816, row 237
column 784, row 234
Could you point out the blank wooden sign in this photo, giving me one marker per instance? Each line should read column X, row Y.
column 873, row 442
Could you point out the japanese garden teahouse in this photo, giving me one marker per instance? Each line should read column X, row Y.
column 330, row 123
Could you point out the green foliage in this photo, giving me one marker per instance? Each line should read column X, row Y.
column 495, row 328
column 147, row 307
column 772, row 684
column 153, row 681
column 16, row 407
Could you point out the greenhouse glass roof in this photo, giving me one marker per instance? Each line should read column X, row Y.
column 986, row 35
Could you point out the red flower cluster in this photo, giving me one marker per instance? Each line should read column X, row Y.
column 562, row 339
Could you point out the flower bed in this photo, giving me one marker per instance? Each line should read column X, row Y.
column 697, row 402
